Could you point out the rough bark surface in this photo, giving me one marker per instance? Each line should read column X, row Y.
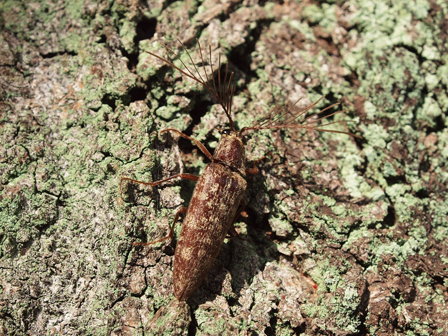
column 344, row 236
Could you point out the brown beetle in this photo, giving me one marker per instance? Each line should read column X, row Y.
column 218, row 196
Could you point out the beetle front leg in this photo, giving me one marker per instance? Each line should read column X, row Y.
column 196, row 142
column 170, row 235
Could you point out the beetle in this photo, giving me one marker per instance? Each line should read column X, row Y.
column 217, row 198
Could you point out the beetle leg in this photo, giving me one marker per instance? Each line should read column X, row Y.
column 170, row 235
column 254, row 168
column 196, row 142
column 153, row 184
column 232, row 233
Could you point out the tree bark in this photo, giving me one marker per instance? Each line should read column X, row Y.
column 343, row 236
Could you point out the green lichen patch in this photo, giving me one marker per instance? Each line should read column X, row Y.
column 215, row 318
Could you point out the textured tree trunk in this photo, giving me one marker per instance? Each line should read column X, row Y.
column 344, row 236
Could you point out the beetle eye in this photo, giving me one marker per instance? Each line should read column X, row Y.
column 226, row 132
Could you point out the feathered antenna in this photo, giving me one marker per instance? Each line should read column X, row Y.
column 223, row 93
column 278, row 118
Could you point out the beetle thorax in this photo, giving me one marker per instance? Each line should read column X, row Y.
column 231, row 152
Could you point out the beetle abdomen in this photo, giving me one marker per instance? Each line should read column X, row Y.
column 212, row 208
